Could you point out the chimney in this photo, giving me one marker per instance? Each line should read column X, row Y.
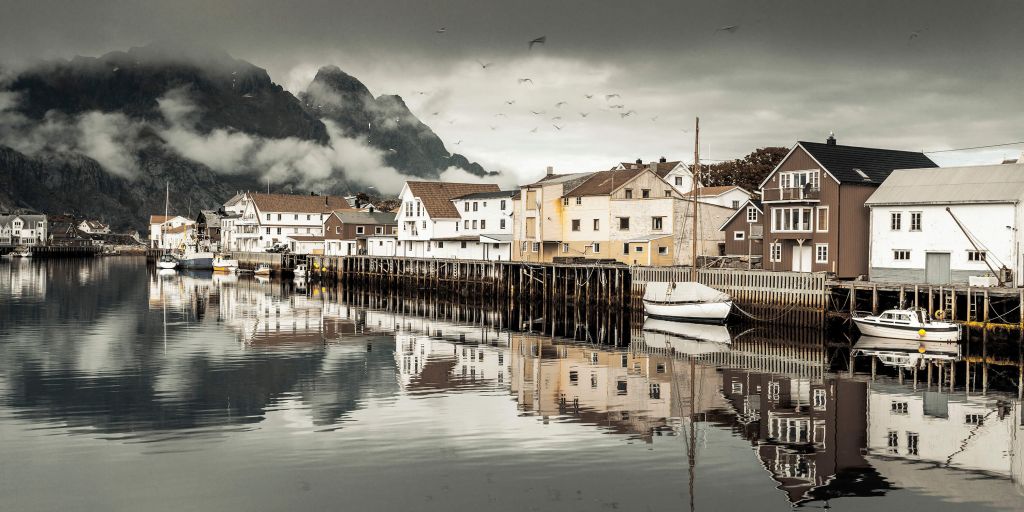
column 551, row 170
column 662, row 160
column 831, row 140
column 639, row 161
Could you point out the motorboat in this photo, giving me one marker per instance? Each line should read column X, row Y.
column 907, row 324
column 686, row 301
column 686, row 338
column 21, row 252
column 221, row 264
column 167, row 262
column 904, row 353
column 300, row 270
column 196, row 260
column 263, row 269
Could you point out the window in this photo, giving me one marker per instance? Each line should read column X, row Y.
column 536, row 247
column 268, row 231
column 575, row 224
column 656, row 223
column 309, row 217
column 629, row 193
column 565, row 248
column 474, row 206
column 751, row 214
column 898, row 408
column 378, row 230
column 483, row 223
column 463, row 245
column 279, row 216
column 638, row 249
column 574, row 378
column 901, row 255
column 737, row 388
column 822, row 219
column 279, row 231
column 659, row 368
column 624, row 360
column 655, row 391
column 792, row 219
column 625, row 248
column 502, row 205
column 466, row 223
column 474, row 224
column 735, row 205
column 679, row 181
column 895, row 221
column 597, row 224
column 424, row 224
column 360, row 230
column 915, row 221
column 974, row 419
column 821, row 253
column 565, row 201
column 775, row 253
column 912, row 438
column 893, row 443
column 501, row 224
column 466, row 206
column 819, row 399
column 439, row 245
column 738, row 235
column 975, row 255
column 596, row 247
column 579, row 200
column 337, row 230
column 662, row 250
column 799, row 179
column 668, row 193
column 623, row 223
column 645, row 193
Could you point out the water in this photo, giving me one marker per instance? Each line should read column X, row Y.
column 124, row 389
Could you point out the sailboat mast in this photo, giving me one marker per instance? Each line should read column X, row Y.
column 163, row 225
column 693, row 198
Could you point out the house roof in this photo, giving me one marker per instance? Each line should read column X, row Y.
column 714, row 191
column 756, row 203
column 297, row 203
column 952, row 185
column 234, row 199
column 437, row 196
column 604, row 182
column 95, row 224
column 661, row 168
column 306, row 238
column 212, row 218
column 842, row 162
column 500, row 194
column 361, row 217
column 496, row 237
column 159, row 219
column 559, row 178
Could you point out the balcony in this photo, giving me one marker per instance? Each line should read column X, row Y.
column 792, row 194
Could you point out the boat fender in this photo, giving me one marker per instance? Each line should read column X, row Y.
column 940, row 314
column 921, row 332
column 921, row 349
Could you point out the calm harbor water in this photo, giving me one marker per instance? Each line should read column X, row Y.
column 125, row 389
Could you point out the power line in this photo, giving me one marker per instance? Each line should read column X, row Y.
column 976, row 147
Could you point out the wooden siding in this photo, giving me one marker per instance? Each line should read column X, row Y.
column 854, row 218
column 741, row 247
column 348, row 231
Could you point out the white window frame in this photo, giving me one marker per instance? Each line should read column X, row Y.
column 360, row 230
column 751, row 214
column 596, row 247
column 657, row 223
column 739, row 235
column 818, row 253
column 977, row 256
column 775, row 252
column 565, row 248
column 896, row 253
column 895, row 221
column 817, row 219
column 916, row 216
column 804, row 219
column 662, row 250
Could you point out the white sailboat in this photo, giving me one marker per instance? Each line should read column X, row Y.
column 167, row 260
column 688, row 301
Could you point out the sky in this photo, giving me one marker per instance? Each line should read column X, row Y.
column 915, row 75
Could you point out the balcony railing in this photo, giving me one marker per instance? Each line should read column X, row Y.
column 792, row 194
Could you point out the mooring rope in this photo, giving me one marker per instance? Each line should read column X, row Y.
column 759, row 319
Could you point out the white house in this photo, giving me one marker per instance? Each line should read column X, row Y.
column 94, row 227
column 257, row 222
column 23, row 229
column 942, row 226
column 429, row 224
column 488, row 215
column 729, row 196
column 676, row 173
column 170, row 232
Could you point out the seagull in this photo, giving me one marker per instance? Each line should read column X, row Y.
column 420, row 93
column 392, row 150
column 500, row 114
column 915, row 34
column 556, row 118
column 588, row 96
column 459, row 142
column 435, row 113
column 610, row 96
column 493, row 128
column 534, row 112
column 539, row 40
column 626, row 114
column 510, row 102
column 618, row 106
column 524, row 80
column 559, row 104
column 441, row 30
column 533, row 130
column 728, row 28
column 559, row 128
column 485, row 65
column 584, row 114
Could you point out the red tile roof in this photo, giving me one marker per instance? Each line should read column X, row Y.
column 437, row 196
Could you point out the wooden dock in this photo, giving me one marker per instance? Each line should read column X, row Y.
column 56, row 251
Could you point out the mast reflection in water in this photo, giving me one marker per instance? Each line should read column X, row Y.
column 124, row 388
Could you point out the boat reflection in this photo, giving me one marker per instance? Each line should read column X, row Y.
column 906, row 353
column 685, row 337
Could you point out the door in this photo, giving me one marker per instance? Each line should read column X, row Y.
column 802, row 255
column 936, row 268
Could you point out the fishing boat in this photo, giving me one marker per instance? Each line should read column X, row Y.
column 196, row 260
column 263, row 269
column 907, row 324
column 221, row 264
column 167, row 262
column 300, row 270
column 21, row 252
column 686, row 301
column 686, row 338
column 902, row 353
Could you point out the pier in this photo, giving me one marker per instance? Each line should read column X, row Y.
column 56, row 251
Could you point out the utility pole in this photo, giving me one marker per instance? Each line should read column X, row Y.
column 693, row 198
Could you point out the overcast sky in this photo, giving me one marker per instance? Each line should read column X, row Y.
column 922, row 75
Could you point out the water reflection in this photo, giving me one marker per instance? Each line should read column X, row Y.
column 412, row 386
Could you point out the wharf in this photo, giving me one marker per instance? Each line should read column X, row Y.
column 56, row 251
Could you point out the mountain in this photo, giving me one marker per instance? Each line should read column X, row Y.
column 100, row 136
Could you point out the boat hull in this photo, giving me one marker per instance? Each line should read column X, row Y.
column 167, row 265
column 943, row 333
column 699, row 312
column 199, row 263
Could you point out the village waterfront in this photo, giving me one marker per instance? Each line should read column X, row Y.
column 123, row 387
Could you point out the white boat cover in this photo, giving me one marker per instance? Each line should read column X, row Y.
column 682, row 291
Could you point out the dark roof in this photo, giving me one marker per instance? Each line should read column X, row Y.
column 437, row 196
column 605, row 182
column 359, row 217
column 877, row 164
column 490, row 195
column 660, row 168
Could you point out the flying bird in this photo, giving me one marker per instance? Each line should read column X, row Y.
column 420, row 93
column 588, row 96
column 627, row 114
column 559, row 104
column 556, row 118
column 618, row 106
column 493, row 128
column 485, row 65
column 534, row 130
column 502, row 114
column 610, row 96
column 392, row 150
column 559, row 128
column 914, row 35
column 441, row 30
column 510, row 102
column 524, row 80
column 459, row 142
column 728, row 28
column 584, row 114
column 435, row 113
column 534, row 112
column 539, row 40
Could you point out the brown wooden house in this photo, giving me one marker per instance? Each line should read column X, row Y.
column 346, row 231
column 744, row 231
column 813, row 204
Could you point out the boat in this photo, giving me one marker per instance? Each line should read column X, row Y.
column 21, row 252
column 221, row 264
column 263, row 269
column 300, row 270
column 907, row 324
column 686, row 301
column 903, row 353
column 686, row 338
column 167, row 262
column 196, row 260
